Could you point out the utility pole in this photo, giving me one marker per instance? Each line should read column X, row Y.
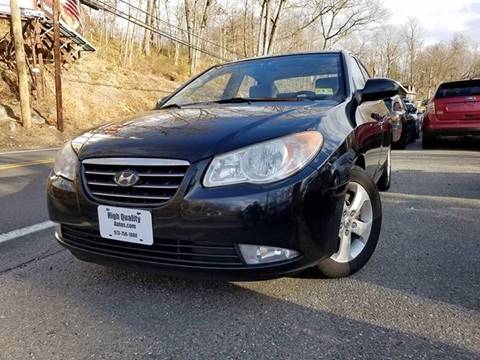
column 21, row 65
column 58, row 63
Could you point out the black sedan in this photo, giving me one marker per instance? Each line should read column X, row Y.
column 404, row 130
column 254, row 169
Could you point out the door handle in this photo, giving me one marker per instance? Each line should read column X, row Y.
column 377, row 116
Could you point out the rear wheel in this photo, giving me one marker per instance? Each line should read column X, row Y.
column 428, row 141
column 359, row 228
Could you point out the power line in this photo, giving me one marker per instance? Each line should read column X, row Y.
column 134, row 20
column 179, row 28
column 121, row 14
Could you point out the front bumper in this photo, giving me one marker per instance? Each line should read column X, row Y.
column 301, row 213
column 244, row 273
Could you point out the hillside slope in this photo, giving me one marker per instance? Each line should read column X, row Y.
column 96, row 89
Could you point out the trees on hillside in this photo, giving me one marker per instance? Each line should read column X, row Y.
column 209, row 31
column 394, row 52
column 232, row 29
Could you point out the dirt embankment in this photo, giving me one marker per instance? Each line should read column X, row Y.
column 95, row 90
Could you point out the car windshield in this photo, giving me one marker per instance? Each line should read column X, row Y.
column 287, row 78
column 460, row 88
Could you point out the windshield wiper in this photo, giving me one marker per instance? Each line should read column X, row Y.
column 171, row 106
column 250, row 100
column 236, row 100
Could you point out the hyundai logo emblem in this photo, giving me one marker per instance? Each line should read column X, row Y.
column 126, row 178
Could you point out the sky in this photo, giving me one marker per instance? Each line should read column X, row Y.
column 440, row 18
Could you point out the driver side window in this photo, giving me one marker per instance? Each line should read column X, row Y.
column 357, row 75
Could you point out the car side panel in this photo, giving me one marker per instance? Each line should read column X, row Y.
column 369, row 121
column 372, row 135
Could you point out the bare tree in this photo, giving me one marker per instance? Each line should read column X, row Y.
column 196, row 18
column 390, row 48
column 342, row 17
column 147, row 36
column 412, row 35
column 270, row 15
column 333, row 20
column 273, row 30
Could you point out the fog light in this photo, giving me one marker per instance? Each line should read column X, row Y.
column 257, row 254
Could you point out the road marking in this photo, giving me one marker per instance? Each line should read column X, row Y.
column 14, row 234
column 26, row 151
column 25, row 164
column 447, row 199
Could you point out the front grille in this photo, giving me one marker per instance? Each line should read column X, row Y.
column 173, row 252
column 159, row 180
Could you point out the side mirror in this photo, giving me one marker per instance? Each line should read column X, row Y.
column 379, row 89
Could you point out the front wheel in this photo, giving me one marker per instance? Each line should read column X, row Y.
column 359, row 228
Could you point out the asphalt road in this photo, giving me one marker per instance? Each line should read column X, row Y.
column 418, row 298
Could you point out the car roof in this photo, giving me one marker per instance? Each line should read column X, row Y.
column 285, row 55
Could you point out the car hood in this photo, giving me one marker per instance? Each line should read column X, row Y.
column 193, row 133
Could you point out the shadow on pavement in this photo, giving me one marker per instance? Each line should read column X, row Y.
column 449, row 144
column 429, row 240
column 102, row 311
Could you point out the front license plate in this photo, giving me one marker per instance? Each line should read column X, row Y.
column 124, row 224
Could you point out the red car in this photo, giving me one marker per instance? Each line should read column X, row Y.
column 453, row 112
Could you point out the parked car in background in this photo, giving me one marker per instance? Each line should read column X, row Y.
column 421, row 115
column 413, row 112
column 254, row 169
column 402, row 123
column 454, row 112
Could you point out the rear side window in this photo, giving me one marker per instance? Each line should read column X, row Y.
column 397, row 106
column 388, row 103
column 322, row 85
column 247, row 83
column 460, row 88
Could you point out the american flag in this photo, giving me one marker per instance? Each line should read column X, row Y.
column 72, row 9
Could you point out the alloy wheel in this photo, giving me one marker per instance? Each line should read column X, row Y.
column 355, row 225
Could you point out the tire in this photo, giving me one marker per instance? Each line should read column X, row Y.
column 402, row 142
column 353, row 253
column 428, row 141
column 413, row 134
column 385, row 180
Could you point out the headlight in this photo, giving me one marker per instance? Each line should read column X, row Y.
column 265, row 162
column 66, row 162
